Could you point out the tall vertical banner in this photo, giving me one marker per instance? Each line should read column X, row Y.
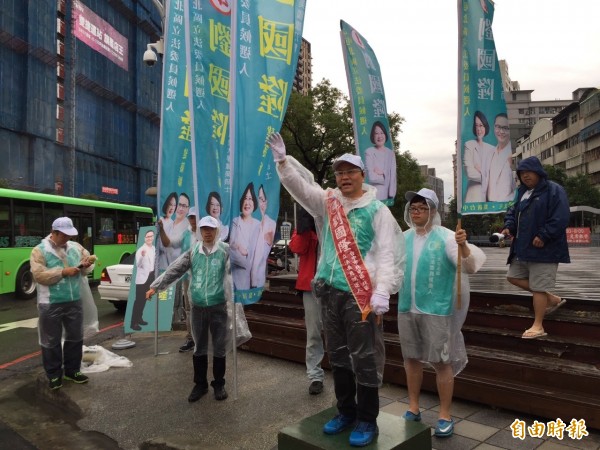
column 266, row 37
column 208, row 26
column 175, row 184
column 486, row 183
column 369, row 111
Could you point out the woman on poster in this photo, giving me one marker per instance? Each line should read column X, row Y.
column 245, row 232
column 380, row 163
column 474, row 155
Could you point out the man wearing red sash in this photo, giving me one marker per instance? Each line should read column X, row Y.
column 360, row 265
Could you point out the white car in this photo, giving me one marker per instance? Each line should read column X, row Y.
column 115, row 281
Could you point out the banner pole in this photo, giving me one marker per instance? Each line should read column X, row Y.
column 458, row 268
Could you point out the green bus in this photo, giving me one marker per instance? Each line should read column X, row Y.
column 107, row 230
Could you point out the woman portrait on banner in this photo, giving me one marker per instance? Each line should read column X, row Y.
column 474, row 155
column 380, row 163
column 245, row 232
column 165, row 224
column 214, row 208
column 264, row 242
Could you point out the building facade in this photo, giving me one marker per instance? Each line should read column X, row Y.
column 79, row 108
column 435, row 184
column 569, row 140
column 303, row 78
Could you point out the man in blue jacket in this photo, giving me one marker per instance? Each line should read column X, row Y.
column 537, row 221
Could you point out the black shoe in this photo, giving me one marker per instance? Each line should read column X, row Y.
column 77, row 377
column 55, row 383
column 143, row 322
column 315, row 388
column 197, row 393
column 136, row 327
column 220, row 393
column 189, row 345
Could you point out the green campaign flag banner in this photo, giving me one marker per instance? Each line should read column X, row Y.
column 175, row 183
column 486, row 181
column 369, row 111
column 208, row 36
column 266, row 37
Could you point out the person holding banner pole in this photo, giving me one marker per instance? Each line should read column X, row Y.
column 360, row 266
column 210, row 290
column 429, row 316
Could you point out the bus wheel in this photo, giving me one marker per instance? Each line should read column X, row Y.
column 25, row 285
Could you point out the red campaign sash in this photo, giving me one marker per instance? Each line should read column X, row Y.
column 349, row 255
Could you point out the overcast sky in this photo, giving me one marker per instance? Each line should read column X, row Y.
column 551, row 47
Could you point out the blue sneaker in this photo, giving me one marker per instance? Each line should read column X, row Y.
column 444, row 428
column 338, row 424
column 412, row 417
column 363, row 434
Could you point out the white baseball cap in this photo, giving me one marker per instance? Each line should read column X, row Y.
column 208, row 221
column 355, row 160
column 192, row 212
column 425, row 193
column 64, row 225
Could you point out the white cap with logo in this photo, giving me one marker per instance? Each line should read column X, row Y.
column 208, row 221
column 192, row 212
column 64, row 225
column 425, row 193
column 355, row 160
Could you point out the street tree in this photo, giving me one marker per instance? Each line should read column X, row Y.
column 318, row 128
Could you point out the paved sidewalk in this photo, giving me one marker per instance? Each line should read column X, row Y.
column 146, row 406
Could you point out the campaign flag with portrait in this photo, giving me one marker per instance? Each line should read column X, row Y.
column 241, row 64
column 266, row 37
column 208, row 35
column 369, row 111
column 175, row 171
column 485, row 181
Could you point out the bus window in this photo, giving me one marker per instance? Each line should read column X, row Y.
column 127, row 227
column 4, row 223
column 28, row 226
column 105, row 226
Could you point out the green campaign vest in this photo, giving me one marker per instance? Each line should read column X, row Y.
column 434, row 290
column 208, row 273
column 67, row 289
column 361, row 223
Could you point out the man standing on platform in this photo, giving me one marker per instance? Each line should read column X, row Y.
column 361, row 264
column 537, row 221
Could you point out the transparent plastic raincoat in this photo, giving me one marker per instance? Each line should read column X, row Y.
column 430, row 283
column 374, row 228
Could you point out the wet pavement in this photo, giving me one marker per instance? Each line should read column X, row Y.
column 145, row 406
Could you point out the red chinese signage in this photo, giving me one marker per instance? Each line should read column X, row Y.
column 579, row 235
column 109, row 190
column 99, row 35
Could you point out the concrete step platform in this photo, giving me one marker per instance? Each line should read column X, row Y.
column 394, row 433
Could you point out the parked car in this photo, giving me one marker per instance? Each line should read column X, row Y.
column 115, row 281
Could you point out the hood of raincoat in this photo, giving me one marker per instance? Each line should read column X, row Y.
column 531, row 164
